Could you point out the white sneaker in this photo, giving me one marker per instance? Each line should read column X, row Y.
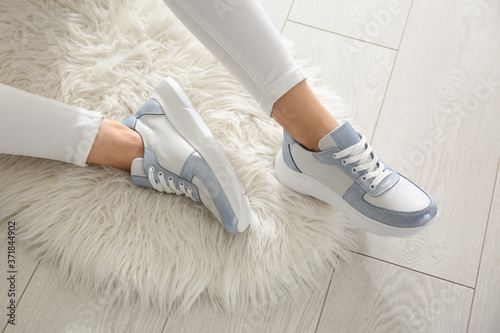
column 347, row 174
column 182, row 157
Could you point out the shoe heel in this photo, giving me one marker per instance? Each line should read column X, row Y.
column 290, row 178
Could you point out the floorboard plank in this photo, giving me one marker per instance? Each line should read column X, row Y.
column 47, row 306
column 374, row 296
column 486, row 306
column 380, row 22
column 300, row 315
column 439, row 127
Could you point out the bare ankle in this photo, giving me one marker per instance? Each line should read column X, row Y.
column 302, row 115
column 116, row 145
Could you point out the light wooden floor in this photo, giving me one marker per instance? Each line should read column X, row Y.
column 422, row 80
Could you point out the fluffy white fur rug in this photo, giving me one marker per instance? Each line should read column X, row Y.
column 104, row 233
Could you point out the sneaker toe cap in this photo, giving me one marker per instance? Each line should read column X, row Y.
column 404, row 205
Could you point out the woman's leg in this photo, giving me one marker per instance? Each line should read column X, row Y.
column 302, row 115
column 165, row 146
column 318, row 157
column 39, row 127
column 116, row 145
column 241, row 36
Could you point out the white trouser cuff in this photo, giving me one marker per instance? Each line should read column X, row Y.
column 281, row 87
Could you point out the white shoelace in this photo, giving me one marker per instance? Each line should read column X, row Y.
column 361, row 153
column 168, row 185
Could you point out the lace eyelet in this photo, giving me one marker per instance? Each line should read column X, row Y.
column 364, row 178
column 190, row 189
column 354, row 170
column 334, row 155
column 344, row 162
column 372, row 187
column 152, row 168
column 170, row 178
column 181, row 183
column 160, row 174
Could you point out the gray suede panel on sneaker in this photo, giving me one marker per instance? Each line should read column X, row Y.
column 130, row 122
column 343, row 136
column 151, row 107
column 196, row 166
column 142, row 181
column 354, row 196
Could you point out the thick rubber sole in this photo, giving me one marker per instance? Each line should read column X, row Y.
column 305, row 184
column 188, row 123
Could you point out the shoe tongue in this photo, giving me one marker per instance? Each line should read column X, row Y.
column 342, row 137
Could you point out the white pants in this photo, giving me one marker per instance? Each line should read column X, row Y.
column 237, row 32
